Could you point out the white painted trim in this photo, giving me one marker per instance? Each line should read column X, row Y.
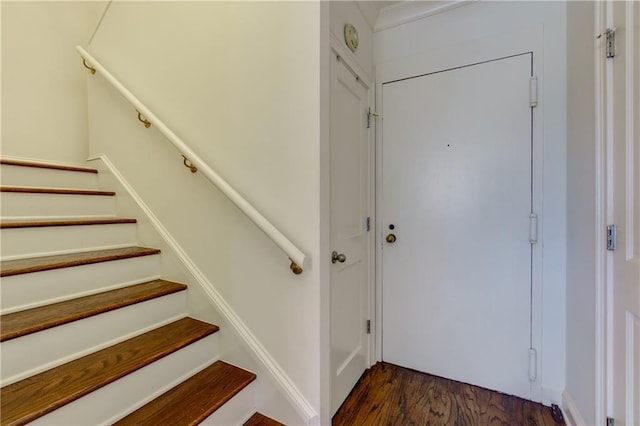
column 600, row 223
column 410, row 11
column 251, row 342
column 346, row 56
column 572, row 414
column 551, row 396
column 631, row 73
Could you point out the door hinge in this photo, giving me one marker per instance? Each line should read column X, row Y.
column 611, row 237
column 369, row 115
column 609, row 42
column 611, row 421
column 533, row 358
column 533, row 91
column 368, row 326
column 368, row 223
column 533, row 228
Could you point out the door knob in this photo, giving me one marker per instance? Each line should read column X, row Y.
column 335, row 257
column 391, row 238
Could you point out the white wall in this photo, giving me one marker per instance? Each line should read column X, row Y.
column 485, row 19
column 240, row 83
column 581, row 203
column 44, row 96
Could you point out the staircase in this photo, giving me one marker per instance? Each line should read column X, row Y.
column 89, row 332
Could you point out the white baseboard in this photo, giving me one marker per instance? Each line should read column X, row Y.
column 572, row 414
column 551, row 396
column 262, row 356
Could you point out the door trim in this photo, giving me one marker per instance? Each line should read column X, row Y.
column 434, row 60
column 601, row 254
column 336, row 48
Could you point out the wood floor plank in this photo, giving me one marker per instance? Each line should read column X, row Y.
column 38, row 395
column 193, row 400
column 260, row 420
column 37, row 264
column 33, row 320
column 61, row 191
column 390, row 395
column 64, row 222
column 39, row 165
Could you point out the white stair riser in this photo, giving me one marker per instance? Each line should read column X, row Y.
column 37, row 352
column 47, row 178
column 19, row 205
column 236, row 411
column 123, row 396
column 39, row 288
column 43, row 241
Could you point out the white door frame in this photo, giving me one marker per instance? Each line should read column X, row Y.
column 604, row 213
column 336, row 48
column 471, row 52
column 601, row 216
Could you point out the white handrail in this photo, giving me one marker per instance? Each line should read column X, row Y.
column 297, row 257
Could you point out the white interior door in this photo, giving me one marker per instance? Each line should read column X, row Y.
column 623, row 125
column 349, row 237
column 457, row 196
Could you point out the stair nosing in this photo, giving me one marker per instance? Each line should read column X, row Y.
column 47, row 380
column 107, row 256
column 81, row 311
column 56, row 191
column 25, row 163
column 64, row 222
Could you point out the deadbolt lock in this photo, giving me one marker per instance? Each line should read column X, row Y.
column 391, row 238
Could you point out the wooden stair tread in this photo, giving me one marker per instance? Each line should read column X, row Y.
column 65, row 222
column 44, row 317
column 36, row 264
column 195, row 399
column 24, row 163
column 33, row 397
column 62, row 191
column 261, row 420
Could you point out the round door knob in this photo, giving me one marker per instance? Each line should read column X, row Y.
column 338, row 257
column 391, row 238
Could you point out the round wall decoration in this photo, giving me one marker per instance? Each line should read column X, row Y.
column 351, row 37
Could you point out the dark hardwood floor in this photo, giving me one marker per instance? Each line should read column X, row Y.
column 390, row 395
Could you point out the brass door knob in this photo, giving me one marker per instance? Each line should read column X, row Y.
column 391, row 238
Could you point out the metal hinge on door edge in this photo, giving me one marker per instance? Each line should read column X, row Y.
column 609, row 42
column 611, row 237
column 368, row 326
column 369, row 115
column 533, row 362
column 533, row 91
column 533, row 228
column 368, row 223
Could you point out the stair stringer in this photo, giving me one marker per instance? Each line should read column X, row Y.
column 276, row 395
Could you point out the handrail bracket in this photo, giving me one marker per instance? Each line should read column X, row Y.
column 295, row 268
column 143, row 120
column 189, row 165
column 87, row 66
